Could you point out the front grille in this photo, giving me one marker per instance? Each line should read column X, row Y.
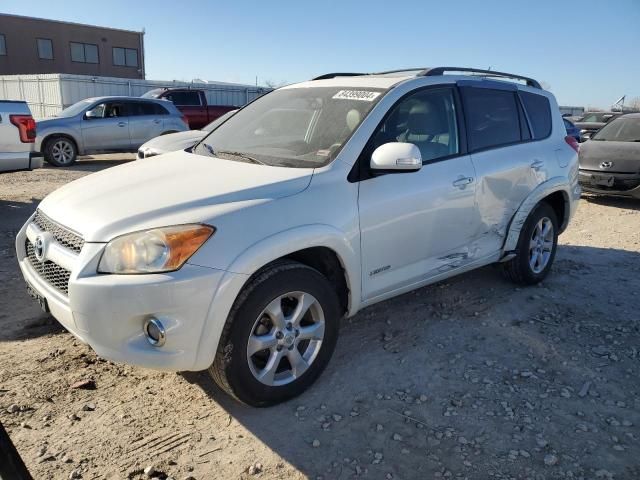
column 50, row 272
column 64, row 237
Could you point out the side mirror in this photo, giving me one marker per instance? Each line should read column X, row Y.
column 396, row 157
column 91, row 115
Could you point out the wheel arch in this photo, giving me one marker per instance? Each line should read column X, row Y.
column 555, row 192
column 322, row 247
column 46, row 139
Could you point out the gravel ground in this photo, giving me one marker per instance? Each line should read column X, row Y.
column 469, row 378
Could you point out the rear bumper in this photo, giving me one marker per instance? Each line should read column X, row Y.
column 624, row 184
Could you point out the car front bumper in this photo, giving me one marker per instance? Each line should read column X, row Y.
column 108, row 312
column 607, row 183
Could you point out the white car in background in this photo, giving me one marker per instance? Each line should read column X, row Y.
column 17, row 137
column 173, row 142
column 310, row 203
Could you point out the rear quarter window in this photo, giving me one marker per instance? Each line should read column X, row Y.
column 539, row 112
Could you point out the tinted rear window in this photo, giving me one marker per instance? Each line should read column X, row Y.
column 184, row 98
column 492, row 117
column 539, row 112
column 146, row 108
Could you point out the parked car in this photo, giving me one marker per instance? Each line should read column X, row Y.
column 309, row 204
column 591, row 122
column 17, row 137
column 192, row 103
column 610, row 161
column 103, row 125
column 572, row 130
column 179, row 141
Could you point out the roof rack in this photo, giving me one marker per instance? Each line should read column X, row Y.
column 333, row 75
column 430, row 72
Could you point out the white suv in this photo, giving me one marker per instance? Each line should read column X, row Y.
column 310, row 203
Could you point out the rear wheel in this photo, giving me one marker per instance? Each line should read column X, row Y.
column 279, row 335
column 60, row 151
column 536, row 247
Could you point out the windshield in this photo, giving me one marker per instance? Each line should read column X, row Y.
column 623, row 129
column 598, row 117
column 75, row 109
column 218, row 121
column 292, row 127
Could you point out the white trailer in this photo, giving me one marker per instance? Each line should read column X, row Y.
column 48, row 94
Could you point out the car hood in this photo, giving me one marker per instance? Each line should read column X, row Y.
column 174, row 141
column 53, row 122
column 625, row 156
column 170, row 189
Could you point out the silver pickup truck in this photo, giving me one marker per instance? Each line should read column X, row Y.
column 17, row 137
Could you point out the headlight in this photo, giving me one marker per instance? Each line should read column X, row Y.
column 153, row 251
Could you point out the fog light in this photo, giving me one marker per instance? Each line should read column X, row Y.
column 154, row 330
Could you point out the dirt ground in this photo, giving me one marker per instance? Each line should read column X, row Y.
column 469, row 378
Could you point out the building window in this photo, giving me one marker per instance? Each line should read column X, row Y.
column 3, row 45
column 84, row 52
column 45, row 48
column 125, row 57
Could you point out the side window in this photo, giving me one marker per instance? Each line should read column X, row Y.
column 492, row 117
column 184, row 98
column 115, row 110
column 427, row 119
column 95, row 112
column 142, row 108
column 159, row 109
column 539, row 111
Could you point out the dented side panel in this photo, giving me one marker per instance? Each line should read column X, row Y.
column 505, row 180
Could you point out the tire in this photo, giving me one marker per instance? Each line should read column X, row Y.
column 285, row 284
column 524, row 269
column 60, row 151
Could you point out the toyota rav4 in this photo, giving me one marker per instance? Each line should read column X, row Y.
column 316, row 200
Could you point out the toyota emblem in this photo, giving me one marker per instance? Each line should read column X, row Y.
column 605, row 165
column 39, row 248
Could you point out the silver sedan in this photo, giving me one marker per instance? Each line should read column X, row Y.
column 181, row 140
column 105, row 125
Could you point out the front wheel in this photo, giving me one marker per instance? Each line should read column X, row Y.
column 279, row 336
column 60, row 152
column 536, row 247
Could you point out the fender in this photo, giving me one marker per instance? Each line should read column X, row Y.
column 64, row 131
column 260, row 254
column 555, row 184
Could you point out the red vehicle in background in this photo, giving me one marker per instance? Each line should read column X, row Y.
column 193, row 105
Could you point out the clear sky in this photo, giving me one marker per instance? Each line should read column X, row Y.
column 587, row 51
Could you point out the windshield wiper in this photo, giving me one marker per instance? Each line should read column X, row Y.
column 239, row 154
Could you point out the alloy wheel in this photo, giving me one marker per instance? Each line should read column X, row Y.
column 62, row 151
column 286, row 338
column 541, row 245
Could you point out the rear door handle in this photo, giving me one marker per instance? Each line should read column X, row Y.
column 462, row 182
column 122, row 124
column 156, row 121
column 537, row 164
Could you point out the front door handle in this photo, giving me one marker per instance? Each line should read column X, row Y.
column 537, row 165
column 462, row 182
column 157, row 121
column 122, row 124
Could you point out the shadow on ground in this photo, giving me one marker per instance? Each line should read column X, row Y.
column 468, row 347
column 611, row 201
